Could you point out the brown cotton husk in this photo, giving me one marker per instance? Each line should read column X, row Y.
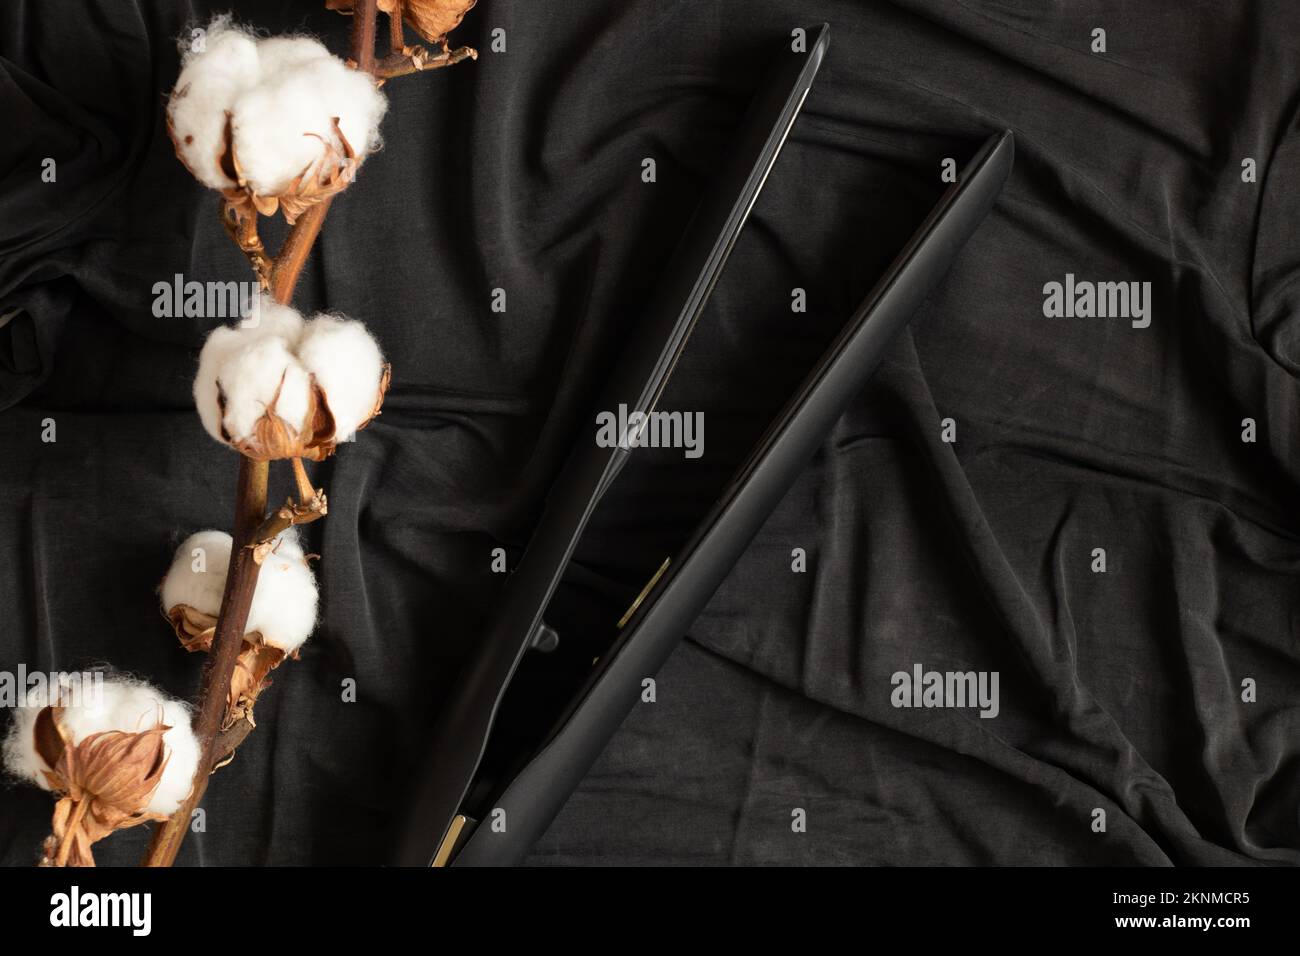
column 251, row 677
column 432, row 19
column 48, row 738
column 385, row 377
column 328, row 175
column 104, row 782
column 253, row 667
column 273, row 438
column 193, row 628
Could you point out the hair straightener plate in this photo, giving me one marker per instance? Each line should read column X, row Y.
column 535, row 795
column 435, row 825
column 441, row 828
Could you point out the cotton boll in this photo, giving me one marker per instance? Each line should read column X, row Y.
column 283, row 611
column 201, row 590
column 348, row 366
column 133, row 707
column 280, row 97
column 122, row 705
column 284, row 604
column 265, row 390
column 284, row 125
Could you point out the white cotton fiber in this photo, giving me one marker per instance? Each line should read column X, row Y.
column 278, row 133
column 202, row 589
column 125, row 705
column 278, row 54
column 284, row 604
column 248, row 364
column 282, row 95
column 282, row 354
column 263, row 376
column 348, row 365
column 208, row 84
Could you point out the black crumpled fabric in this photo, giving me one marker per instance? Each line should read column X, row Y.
column 1119, row 691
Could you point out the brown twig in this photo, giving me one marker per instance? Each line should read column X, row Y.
column 363, row 34
column 293, row 253
column 285, row 517
column 396, row 36
column 228, row 742
column 214, row 687
column 310, row 506
column 417, row 60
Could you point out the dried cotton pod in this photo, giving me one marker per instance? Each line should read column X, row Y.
column 283, row 387
column 280, row 619
column 116, row 758
column 274, row 123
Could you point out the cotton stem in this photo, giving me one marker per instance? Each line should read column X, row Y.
column 243, row 230
column 305, row 490
column 396, row 36
column 250, row 512
column 417, row 60
column 214, row 688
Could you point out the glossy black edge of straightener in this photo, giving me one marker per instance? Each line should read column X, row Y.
column 461, row 733
column 537, row 793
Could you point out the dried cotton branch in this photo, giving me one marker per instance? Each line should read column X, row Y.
column 273, row 125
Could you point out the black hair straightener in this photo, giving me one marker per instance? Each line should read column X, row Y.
column 458, row 789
